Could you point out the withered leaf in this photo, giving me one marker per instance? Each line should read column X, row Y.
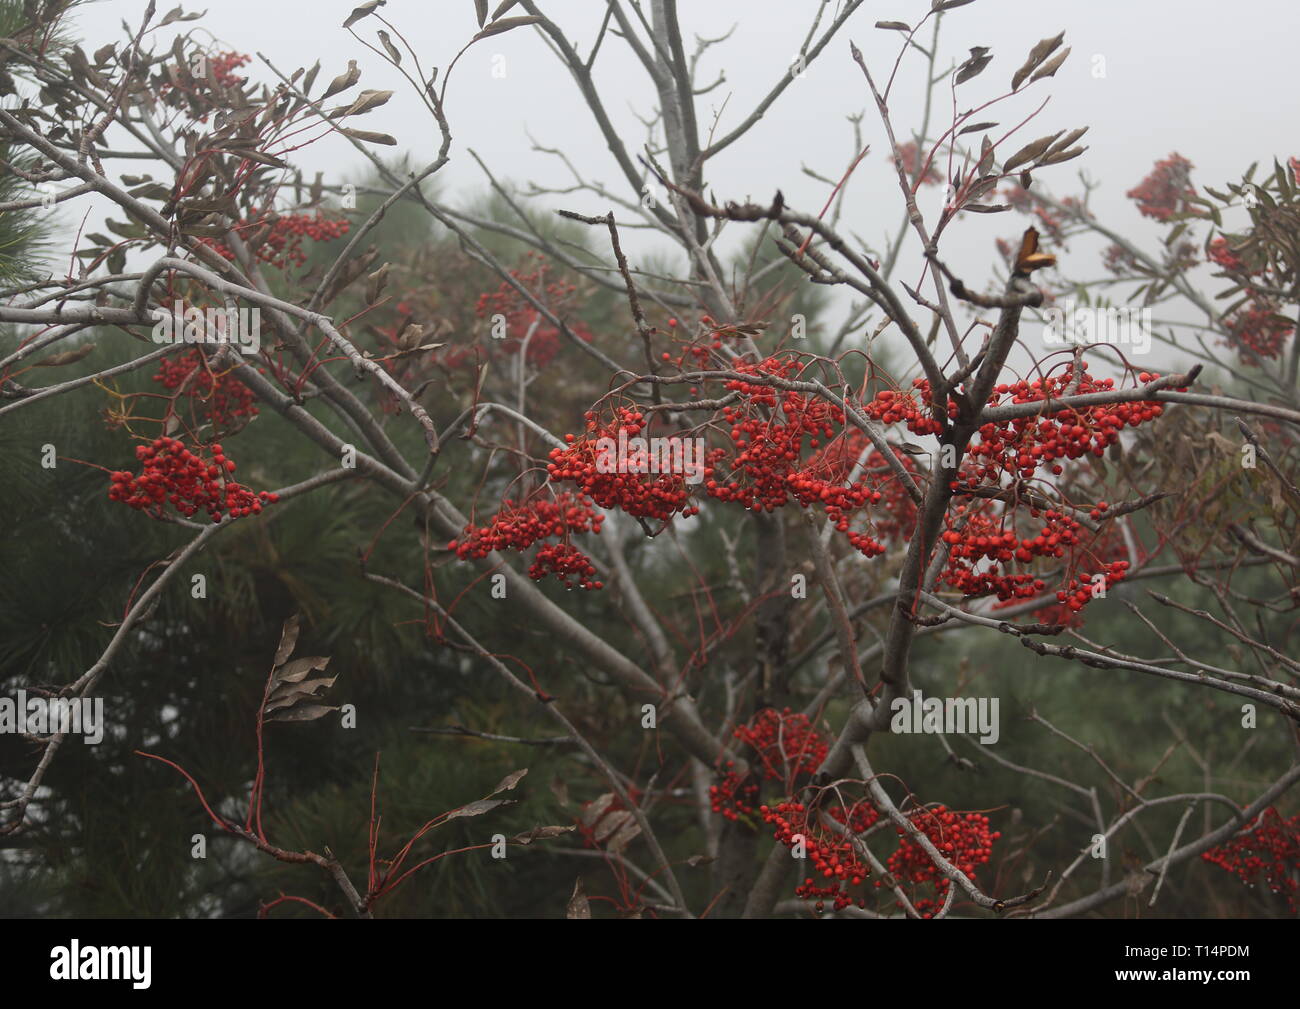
column 478, row 807
column 373, row 138
column 973, row 67
column 509, row 781
column 393, row 53
column 578, row 906
column 297, row 670
column 301, row 713
column 365, row 10
column 542, row 834
column 975, row 128
column 505, row 24
column 1060, row 156
column 1049, row 69
column 626, row 833
column 596, row 808
column 65, row 357
column 1029, row 152
column 375, row 284
column 480, row 11
column 367, row 100
column 1039, row 53
column 611, row 823
column 343, row 81
column 288, row 639
column 894, row 26
column 502, row 7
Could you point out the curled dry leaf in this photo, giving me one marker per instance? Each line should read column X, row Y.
column 365, row 10
column 367, row 100
column 894, row 26
column 375, row 284
column 1036, row 56
column 393, row 53
column 343, row 81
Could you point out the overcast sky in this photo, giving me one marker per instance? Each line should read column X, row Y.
column 1213, row 81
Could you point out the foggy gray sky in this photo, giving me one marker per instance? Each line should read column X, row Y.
column 1213, row 81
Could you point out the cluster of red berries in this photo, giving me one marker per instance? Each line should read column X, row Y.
column 280, row 237
column 965, row 840
column 1221, row 252
column 1164, row 192
column 637, row 491
column 190, row 483
column 1270, row 850
column 565, row 562
column 1260, row 331
column 220, row 398
column 831, row 855
column 520, row 317
column 223, row 67
column 1021, row 446
column 519, row 526
column 786, row 746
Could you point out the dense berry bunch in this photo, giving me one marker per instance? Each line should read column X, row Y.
column 1164, row 192
column 565, row 562
column 1259, row 331
column 279, row 237
column 786, row 742
column 175, row 475
column 519, row 526
column 1221, row 252
column 220, row 398
column 965, row 840
column 1021, row 446
column 637, row 491
column 521, row 317
column 1270, row 850
column 831, row 855
column 786, row 746
column 223, row 67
